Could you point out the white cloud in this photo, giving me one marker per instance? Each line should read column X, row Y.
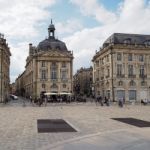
column 19, row 17
column 132, row 17
column 18, row 59
column 68, row 26
column 18, row 21
column 96, row 10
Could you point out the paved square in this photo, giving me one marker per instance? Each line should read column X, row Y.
column 18, row 124
column 53, row 125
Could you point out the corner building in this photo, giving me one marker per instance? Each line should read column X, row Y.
column 122, row 67
column 49, row 67
column 4, row 69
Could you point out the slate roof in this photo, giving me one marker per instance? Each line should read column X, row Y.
column 51, row 44
column 122, row 38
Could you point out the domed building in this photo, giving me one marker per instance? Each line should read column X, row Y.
column 49, row 68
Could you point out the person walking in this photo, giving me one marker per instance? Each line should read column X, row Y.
column 120, row 102
column 45, row 100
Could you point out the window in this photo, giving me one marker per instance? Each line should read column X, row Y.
column 143, row 83
column 43, row 63
column 132, row 94
column 108, row 72
column 120, row 83
column 142, row 70
column 119, row 56
column 120, row 94
column 119, row 69
column 53, row 71
column 130, row 57
column 63, row 64
column 43, row 74
column 107, row 58
column 54, row 86
column 147, row 43
column 58, row 47
column 97, row 64
column 141, row 58
column 130, row 70
column 43, row 86
column 64, row 86
column 64, row 74
column 127, row 41
column 132, row 83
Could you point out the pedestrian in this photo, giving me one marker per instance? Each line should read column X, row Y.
column 120, row 102
column 106, row 101
column 100, row 100
column 45, row 101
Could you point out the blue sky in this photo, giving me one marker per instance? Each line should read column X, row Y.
column 83, row 25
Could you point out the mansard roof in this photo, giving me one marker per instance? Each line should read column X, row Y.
column 123, row 38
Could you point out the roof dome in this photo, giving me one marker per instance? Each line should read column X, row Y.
column 51, row 43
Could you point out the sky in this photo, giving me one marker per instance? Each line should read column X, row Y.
column 82, row 24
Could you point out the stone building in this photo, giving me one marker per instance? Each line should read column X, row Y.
column 83, row 81
column 122, row 67
column 4, row 69
column 49, row 67
column 19, row 85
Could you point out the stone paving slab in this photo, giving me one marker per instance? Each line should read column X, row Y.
column 118, row 140
column 18, row 124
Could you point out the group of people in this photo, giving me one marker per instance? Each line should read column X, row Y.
column 102, row 101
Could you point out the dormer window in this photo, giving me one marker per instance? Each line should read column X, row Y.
column 58, row 47
column 147, row 43
column 127, row 41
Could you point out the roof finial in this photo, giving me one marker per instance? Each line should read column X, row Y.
column 51, row 21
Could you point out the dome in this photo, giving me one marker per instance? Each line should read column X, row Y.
column 52, row 44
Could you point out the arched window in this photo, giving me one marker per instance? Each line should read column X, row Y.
column 54, row 86
column 147, row 43
column 64, row 85
column 58, row 47
column 132, row 83
column 120, row 83
column 127, row 41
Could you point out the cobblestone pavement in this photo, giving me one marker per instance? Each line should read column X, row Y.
column 18, row 124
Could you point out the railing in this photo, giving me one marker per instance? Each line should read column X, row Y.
column 120, row 75
column 131, row 76
column 142, row 76
column 107, row 76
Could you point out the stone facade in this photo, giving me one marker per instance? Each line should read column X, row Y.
column 122, row 67
column 83, row 81
column 49, row 68
column 4, row 69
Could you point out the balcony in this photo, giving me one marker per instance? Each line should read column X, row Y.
column 107, row 76
column 54, row 80
column 142, row 76
column 43, row 79
column 131, row 76
column 64, row 80
column 120, row 75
